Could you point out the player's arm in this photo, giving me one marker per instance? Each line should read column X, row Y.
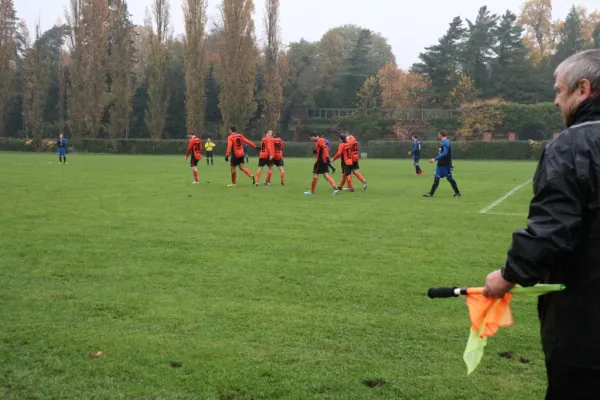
column 555, row 218
column 229, row 146
column 249, row 143
column 444, row 152
column 271, row 149
column 189, row 149
column 340, row 150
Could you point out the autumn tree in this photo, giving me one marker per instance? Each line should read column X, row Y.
column 464, row 92
column 96, row 53
column 273, row 87
column 36, row 82
column 401, row 89
column 157, row 24
column 7, row 57
column 238, row 56
column 77, row 86
column 589, row 22
column 536, row 19
column 368, row 96
column 195, row 64
column 121, row 63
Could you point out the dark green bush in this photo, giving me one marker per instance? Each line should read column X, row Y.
column 474, row 150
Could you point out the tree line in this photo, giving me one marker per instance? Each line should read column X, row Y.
column 98, row 75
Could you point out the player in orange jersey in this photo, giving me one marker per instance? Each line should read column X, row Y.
column 345, row 151
column 321, row 166
column 267, row 152
column 277, row 159
column 356, row 157
column 195, row 150
column 235, row 144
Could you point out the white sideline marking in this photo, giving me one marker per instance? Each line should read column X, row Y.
column 506, row 196
column 505, row 214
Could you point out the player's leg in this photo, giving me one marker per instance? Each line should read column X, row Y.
column 439, row 174
column 349, row 181
column 233, row 174
column 282, row 174
column 330, row 180
column 453, row 184
column 247, row 172
column 418, row 169
column 315, row 179
column 258, row 172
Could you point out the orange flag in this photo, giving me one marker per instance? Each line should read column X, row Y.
column 486, row 316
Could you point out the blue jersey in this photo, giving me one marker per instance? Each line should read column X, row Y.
column 246, row 148
column 444, row 159
column 416, row 149
column 61, row 143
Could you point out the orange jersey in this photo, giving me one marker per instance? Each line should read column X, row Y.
column 236, row 142
column 266, row 148
column 195, row 148
column 354, row 146
column 322, row 151
column 278, row 147
column 344, row 151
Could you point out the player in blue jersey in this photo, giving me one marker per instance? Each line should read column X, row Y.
column 61, row 143
column 416, row 154
column 246, row 153
column 444, row 166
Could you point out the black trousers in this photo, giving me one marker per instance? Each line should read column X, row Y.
column 572, row 383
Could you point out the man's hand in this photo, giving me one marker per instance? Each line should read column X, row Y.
column 226, row 158
column 432, row 161
column 409, row 153
column 496, row 286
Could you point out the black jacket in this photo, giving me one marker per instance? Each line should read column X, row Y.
column 562, row 241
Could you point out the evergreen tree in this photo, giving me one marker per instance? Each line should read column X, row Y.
column 440, row 63
column 570, row 38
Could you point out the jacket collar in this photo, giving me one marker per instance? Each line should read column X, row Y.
column 588, row 110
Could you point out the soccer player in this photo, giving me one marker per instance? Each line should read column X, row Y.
column 444, row 166
column 345, row 151
column 209, row 146
column 416, row 154
column 356, row 157
column 246, row 153
column 277, row 160
column 267, row 152
column 321, row 165
column 235, row 144
column 62, row 149
column 195, row 150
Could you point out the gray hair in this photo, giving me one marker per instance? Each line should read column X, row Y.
column 582, row 65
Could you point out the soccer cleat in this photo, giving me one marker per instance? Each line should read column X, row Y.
column 457, row 195
column 282, row 184
column 427, row 195
column 267, row 183
column 420, row 173
column 348, row 190
column 195, row 182
column 309, row 193
column 232, row 185
column 335, row 192
column 365, row 185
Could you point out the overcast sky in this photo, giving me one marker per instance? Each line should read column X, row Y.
column 408, row 25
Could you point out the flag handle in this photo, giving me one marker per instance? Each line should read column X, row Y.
column 445, row 292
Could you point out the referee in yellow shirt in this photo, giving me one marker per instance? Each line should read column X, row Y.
column 209, row 146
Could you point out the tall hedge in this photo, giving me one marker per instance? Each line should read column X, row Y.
column 475, row 150
column 472, row 150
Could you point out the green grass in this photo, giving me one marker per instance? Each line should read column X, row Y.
column 260, row 293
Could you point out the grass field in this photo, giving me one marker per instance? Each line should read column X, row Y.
column 258, row 292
